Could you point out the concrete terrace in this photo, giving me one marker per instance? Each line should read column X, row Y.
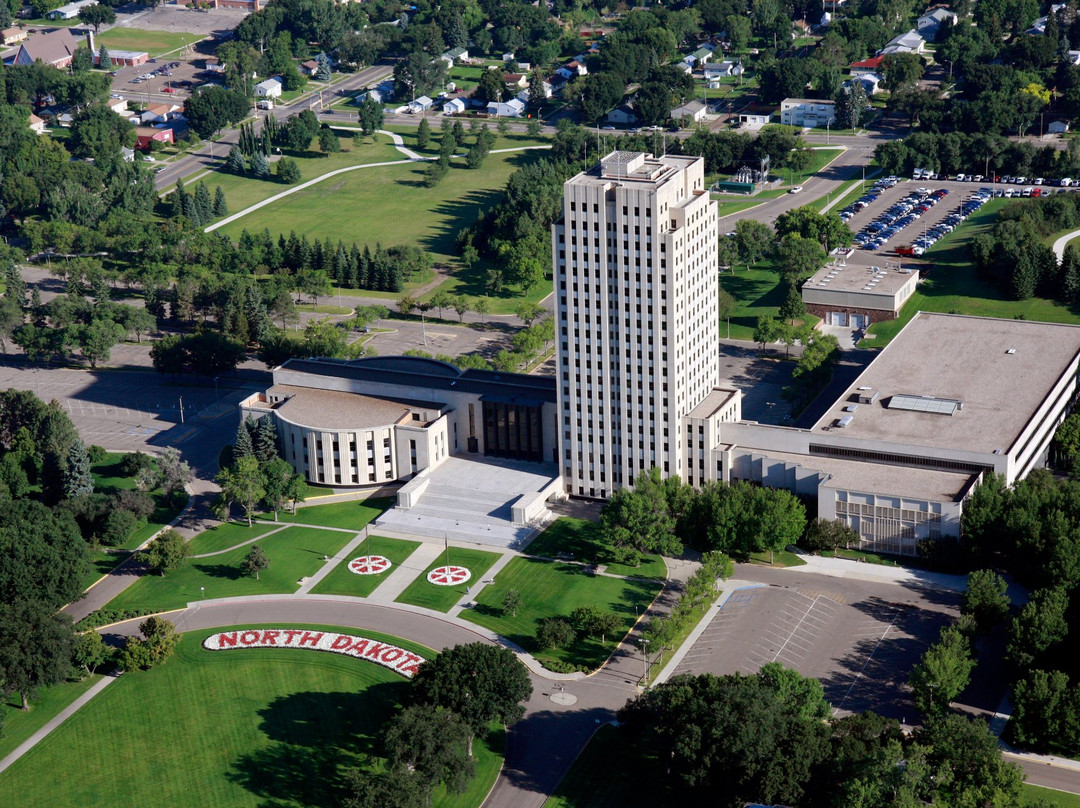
column 470, row 500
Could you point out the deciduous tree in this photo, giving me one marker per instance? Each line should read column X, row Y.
column 35, row 647
column 165, row 553
column 255, row 562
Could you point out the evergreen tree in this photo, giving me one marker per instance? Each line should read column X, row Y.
column 1070, row 275
column 204, row 205
column 104, row 59
column 266, row 444
column 260, row 166
column 179, row 200
column 423, row 134
column 355, row 258
column 221, row 207
column 244, row 446
column 13, row 280
column 78, row 481
column 236, row 162
column 365, row 280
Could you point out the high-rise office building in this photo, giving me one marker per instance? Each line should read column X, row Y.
column 637, row 322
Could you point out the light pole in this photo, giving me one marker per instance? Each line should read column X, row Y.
column 644, row 660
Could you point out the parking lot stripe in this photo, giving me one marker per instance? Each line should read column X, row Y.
column 858, row 676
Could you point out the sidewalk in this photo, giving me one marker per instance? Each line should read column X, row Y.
column 398, row 580
column 329, row 566
column 880, row 573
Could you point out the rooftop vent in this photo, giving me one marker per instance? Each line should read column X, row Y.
column 868, row 395
column 844, row 421
column 851, row 408
column 1011, row 351
column 940, row 406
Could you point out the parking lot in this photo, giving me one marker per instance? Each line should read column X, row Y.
column 175, row 87
column 859, row 639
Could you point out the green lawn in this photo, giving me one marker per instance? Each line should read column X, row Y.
column 555, row 589
column 724, row 207
column 295, row 553
column 757, row 291
column 257, row 728
column 443, row 598
column 243, row 191
column 582, row 538
column 228, row 535
column 1051, row 796
column 19, row 725
column 153, row 42
column 625, row 782
column 353, row 514
column 389, row 204
column 342, row 581
column 954, row 286
column 819, row 158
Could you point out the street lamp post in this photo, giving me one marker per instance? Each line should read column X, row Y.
column 644, row 661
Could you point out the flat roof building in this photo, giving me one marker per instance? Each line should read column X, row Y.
column 856, row 296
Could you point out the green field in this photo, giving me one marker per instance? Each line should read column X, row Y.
column 352, row 515
column 246, row 728
column 153, row 42
column 724, row 207
column 228, row 535
column 582, row 539
column 295, row 553
column 20, row 725
column 555, row 589
column 757, row 292
column 242, row 191
column 443, row 598
column 1050, row 796
column 342, row 581
column 389, row 204
column 954, row 286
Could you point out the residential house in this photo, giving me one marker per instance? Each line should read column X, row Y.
column 455, row 56
column 127, row 155
column 65, row 120
column 157, row 113
column 930, row 23
column 455, row 106
column 1057, row 127
column 516, row 81
column 694, row 111
column 506, row 109
column 54, row 48
column 685, row 68
column 871, row 65
column 13, row 36
column 117, row 105
column 910, row 42
column 420, row 105
column 144, row 135
column 271, row 88
column 623, row 114
column 1039, row 26
column 508, row 57
column 374, row 95
column 309, row 68
column 871, row 82
column 573, row 69
column 755, row 117
column 37, row 125
column 701, row 56
column 69, row 11
column 809, row 112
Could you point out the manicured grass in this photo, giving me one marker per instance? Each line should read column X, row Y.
column 153, row 42
column 781, row 559
column 228, row 535
column 819, row 158
column 555, row 589
column 955, row 287
column 757, row 291
column 19, row 725
column 389, row 204
column 323, row 308
column 607, row 774
column 582, row 538
column 295, row 553
column 443, row 598
column 1051, row 796
column 511, row 140
column 342, row 581
column 352, row 515
column 245, row 728
column 243, row 191
column 726, row 208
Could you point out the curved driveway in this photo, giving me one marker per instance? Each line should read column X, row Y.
column 539, row 749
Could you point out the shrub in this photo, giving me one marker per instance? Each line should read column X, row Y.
column 139, row 503
column 106, row 617
column 97, row 454
column 827, row 534
column 134, row 462
column 117, row 526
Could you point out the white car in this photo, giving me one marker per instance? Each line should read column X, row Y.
column 795, row 190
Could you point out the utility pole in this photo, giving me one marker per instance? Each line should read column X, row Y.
column 181, row 409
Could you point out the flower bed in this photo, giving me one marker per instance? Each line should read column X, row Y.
column 369, row 565
column 449, row 576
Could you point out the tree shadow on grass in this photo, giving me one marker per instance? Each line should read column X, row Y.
column 226, row 571
column 287, row 776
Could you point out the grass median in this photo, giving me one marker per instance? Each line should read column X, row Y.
column 581, row 539
column 555, row 589
column 422, row 592
column 352, row 515
column 343, row 581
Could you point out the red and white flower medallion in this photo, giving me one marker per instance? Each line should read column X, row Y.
column 369, row 565
column 449, row 576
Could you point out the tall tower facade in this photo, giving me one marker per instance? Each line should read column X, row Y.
column 637, row 325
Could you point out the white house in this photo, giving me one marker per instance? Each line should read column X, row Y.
column 69, row 11
column 871, row 82
column 930, row 23
column 1057, row 127
column 117, row 105
column 37, row 125
column 374, row 95
column 455, row 106
column 420, row 105
column 454, row 56
column 910, row 42
column 693, row 110
column 754, row 119
column 623, row 114
column 809, row 112
column 506, row 109
column 271, row 88
column 1039, row 26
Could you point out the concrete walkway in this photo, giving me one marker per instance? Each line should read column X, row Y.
column 56, row 721
column 398, row 580
column 1061, row 243
column 329, row 566
column 880, row 573
column 399, row 144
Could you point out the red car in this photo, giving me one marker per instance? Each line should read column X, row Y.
column 168, row 90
